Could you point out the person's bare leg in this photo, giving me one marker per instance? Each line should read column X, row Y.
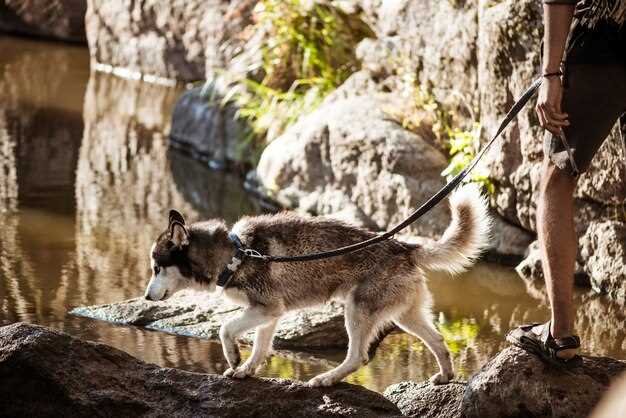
column 558, row 246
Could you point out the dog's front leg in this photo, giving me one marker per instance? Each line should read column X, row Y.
column 260, row 350
column 230, row 330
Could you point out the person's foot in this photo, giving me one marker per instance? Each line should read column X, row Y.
column 537, row 339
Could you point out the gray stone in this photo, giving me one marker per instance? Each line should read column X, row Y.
column 531, row 269
column 604, row 248
column 199, row 316
column 209, row 130
column 432, row 41
column 44, row 372
column 347, row 155
column 509, row 241
column 424, row 400
column 516, row 383
column 58, row 19
column 601, row 262
column 166, row 39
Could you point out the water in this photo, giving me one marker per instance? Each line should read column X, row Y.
column 86, row 180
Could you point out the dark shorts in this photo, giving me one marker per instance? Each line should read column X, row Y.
column 594, row 97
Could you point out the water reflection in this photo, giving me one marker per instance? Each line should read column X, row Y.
column 86, row 180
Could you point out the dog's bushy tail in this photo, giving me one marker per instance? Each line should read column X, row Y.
column 465, row 238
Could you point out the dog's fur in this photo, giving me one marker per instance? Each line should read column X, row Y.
column 380, row 284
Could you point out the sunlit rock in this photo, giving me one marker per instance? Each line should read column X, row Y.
column 63, row 376
column 201, row 316
column 601, row 260
column 516, row 383
column 60, row 19
column 176, row 40
column 348, row 154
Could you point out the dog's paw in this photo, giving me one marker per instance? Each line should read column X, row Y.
column 229, row 372
column 441, row 378
column 321, row 381
column 243, row 372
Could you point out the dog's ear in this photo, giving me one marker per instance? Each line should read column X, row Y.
column 179, row 235
column 175, row 216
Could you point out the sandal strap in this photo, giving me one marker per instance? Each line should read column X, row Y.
column 566, row 343
column 558, row 344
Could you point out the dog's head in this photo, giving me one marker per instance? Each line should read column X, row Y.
column 169, row 261
column 178, row 257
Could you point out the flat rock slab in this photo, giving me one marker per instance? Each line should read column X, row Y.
column 313, row 329
column 44, row 372
column 518, row 384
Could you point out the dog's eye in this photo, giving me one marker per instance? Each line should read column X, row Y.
column 157, row 269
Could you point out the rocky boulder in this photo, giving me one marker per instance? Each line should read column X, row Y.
column 604, row 248
column 601, row 260
column 349, row 156
column 424, row 400
column 59, row 19
column 516, row 383
column 44, row 372
column 162, row 38
column 208, row 130
column 196, row 316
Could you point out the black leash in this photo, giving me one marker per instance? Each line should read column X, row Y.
column 418, row 213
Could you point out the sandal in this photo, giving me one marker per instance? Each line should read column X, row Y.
column 544, row 345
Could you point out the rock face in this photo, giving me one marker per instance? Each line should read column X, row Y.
column 48, row 373
column 348, row 156
column 208, row 130
column 198, row 316
column 601, row 262
column 178, row 40
column 427, row 401
column 516, row 383
column 59, row 19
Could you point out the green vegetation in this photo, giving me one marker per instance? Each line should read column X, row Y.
column 308, row 53
column 459, row 334
column 464, row 145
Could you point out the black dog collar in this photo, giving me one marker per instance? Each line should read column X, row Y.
column 230, row 269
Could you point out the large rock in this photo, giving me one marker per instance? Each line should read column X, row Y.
column 347, row 155
column 198, row 316
column 424, row 400
column 180, row 40
column 59, row 19
column 601, row 262
column 209, row 130
column 48, row 373
column 516, row 384
column 604, row 248
column 432, row 42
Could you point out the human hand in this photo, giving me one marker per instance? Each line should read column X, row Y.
column 549, row 105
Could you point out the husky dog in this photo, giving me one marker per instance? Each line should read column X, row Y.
column 383, row 283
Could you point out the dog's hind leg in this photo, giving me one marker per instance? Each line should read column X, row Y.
column 361, row 327
column 260, row 349
column 250, row 318
column 416, row 322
